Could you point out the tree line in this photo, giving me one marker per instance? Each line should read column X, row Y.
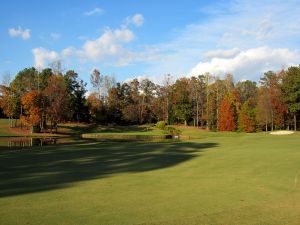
column 42, row 99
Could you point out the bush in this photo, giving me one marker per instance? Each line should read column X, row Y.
column 35, row 129
column 172, row 130
column 161, row 125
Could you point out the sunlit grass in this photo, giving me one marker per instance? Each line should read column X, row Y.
column 221, row 178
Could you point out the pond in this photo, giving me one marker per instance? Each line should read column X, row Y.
column 25, row 142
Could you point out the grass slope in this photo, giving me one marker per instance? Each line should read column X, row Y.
column 222, row 178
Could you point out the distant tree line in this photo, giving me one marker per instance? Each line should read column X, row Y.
column 42, row 99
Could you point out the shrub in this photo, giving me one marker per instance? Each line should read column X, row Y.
column 161, row 125
column 172, row 130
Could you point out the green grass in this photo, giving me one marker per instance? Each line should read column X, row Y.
column 130, row 133
column 4, row 130
column 127, row 130
column 221, row 178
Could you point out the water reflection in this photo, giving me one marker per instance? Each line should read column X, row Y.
column 23, row 142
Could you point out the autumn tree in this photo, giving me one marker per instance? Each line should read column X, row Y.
column 115, row 104
column 31, row 103
column 56, row 93
column 97, row 82
column 108, row 82
column 246, row 89
column 23, row 83
column 271, row 84
column 159, row 104
column 131, row 102
column 197, row 95
column 227, row 120
column 8, row 103
column 182, row 106
column 147, row 92
column 97, row 110
column 246, row 120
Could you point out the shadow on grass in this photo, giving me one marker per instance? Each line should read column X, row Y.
column 121, row 129
column 76, row 130
column 61, row 165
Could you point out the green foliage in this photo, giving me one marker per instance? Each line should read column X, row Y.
column 246, row 121
column 291, row 88
column 161, row 125
column 172, row 130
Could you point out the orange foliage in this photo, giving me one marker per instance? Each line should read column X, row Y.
column 30, row 102
column 226, row 116
column 246, row 123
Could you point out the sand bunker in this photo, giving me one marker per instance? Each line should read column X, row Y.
column 282, row 132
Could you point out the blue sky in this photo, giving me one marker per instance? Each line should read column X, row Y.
column 151, row 38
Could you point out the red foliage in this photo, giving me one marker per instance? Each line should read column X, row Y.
column 226, row 116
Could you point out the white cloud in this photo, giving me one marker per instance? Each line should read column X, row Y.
column 137, row 20
column 19, row 32
column 242, row 26
column 68, row 52
column 95, row 11
column 43, row 56
column 108, row 48
column 251, row 63
column 109, row 44
column 222, row 53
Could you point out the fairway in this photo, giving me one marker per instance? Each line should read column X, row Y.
column 220, row 178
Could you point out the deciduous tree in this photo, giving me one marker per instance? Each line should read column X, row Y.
column 291, row 90
column 226, row 117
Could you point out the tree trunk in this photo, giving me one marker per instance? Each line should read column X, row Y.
column 266, row 125
column 202, row 113
column 295, row 122
column 142, row 110
column 272, row 125
column 197, row 119
column 167, row 110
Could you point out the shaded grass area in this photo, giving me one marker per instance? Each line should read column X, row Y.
column 58, row 166
column 74, row 128
column 222, row 178
column 118, row 133
column 69, row 129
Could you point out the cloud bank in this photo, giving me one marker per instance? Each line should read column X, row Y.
column 249, row 63
column 109, row 48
